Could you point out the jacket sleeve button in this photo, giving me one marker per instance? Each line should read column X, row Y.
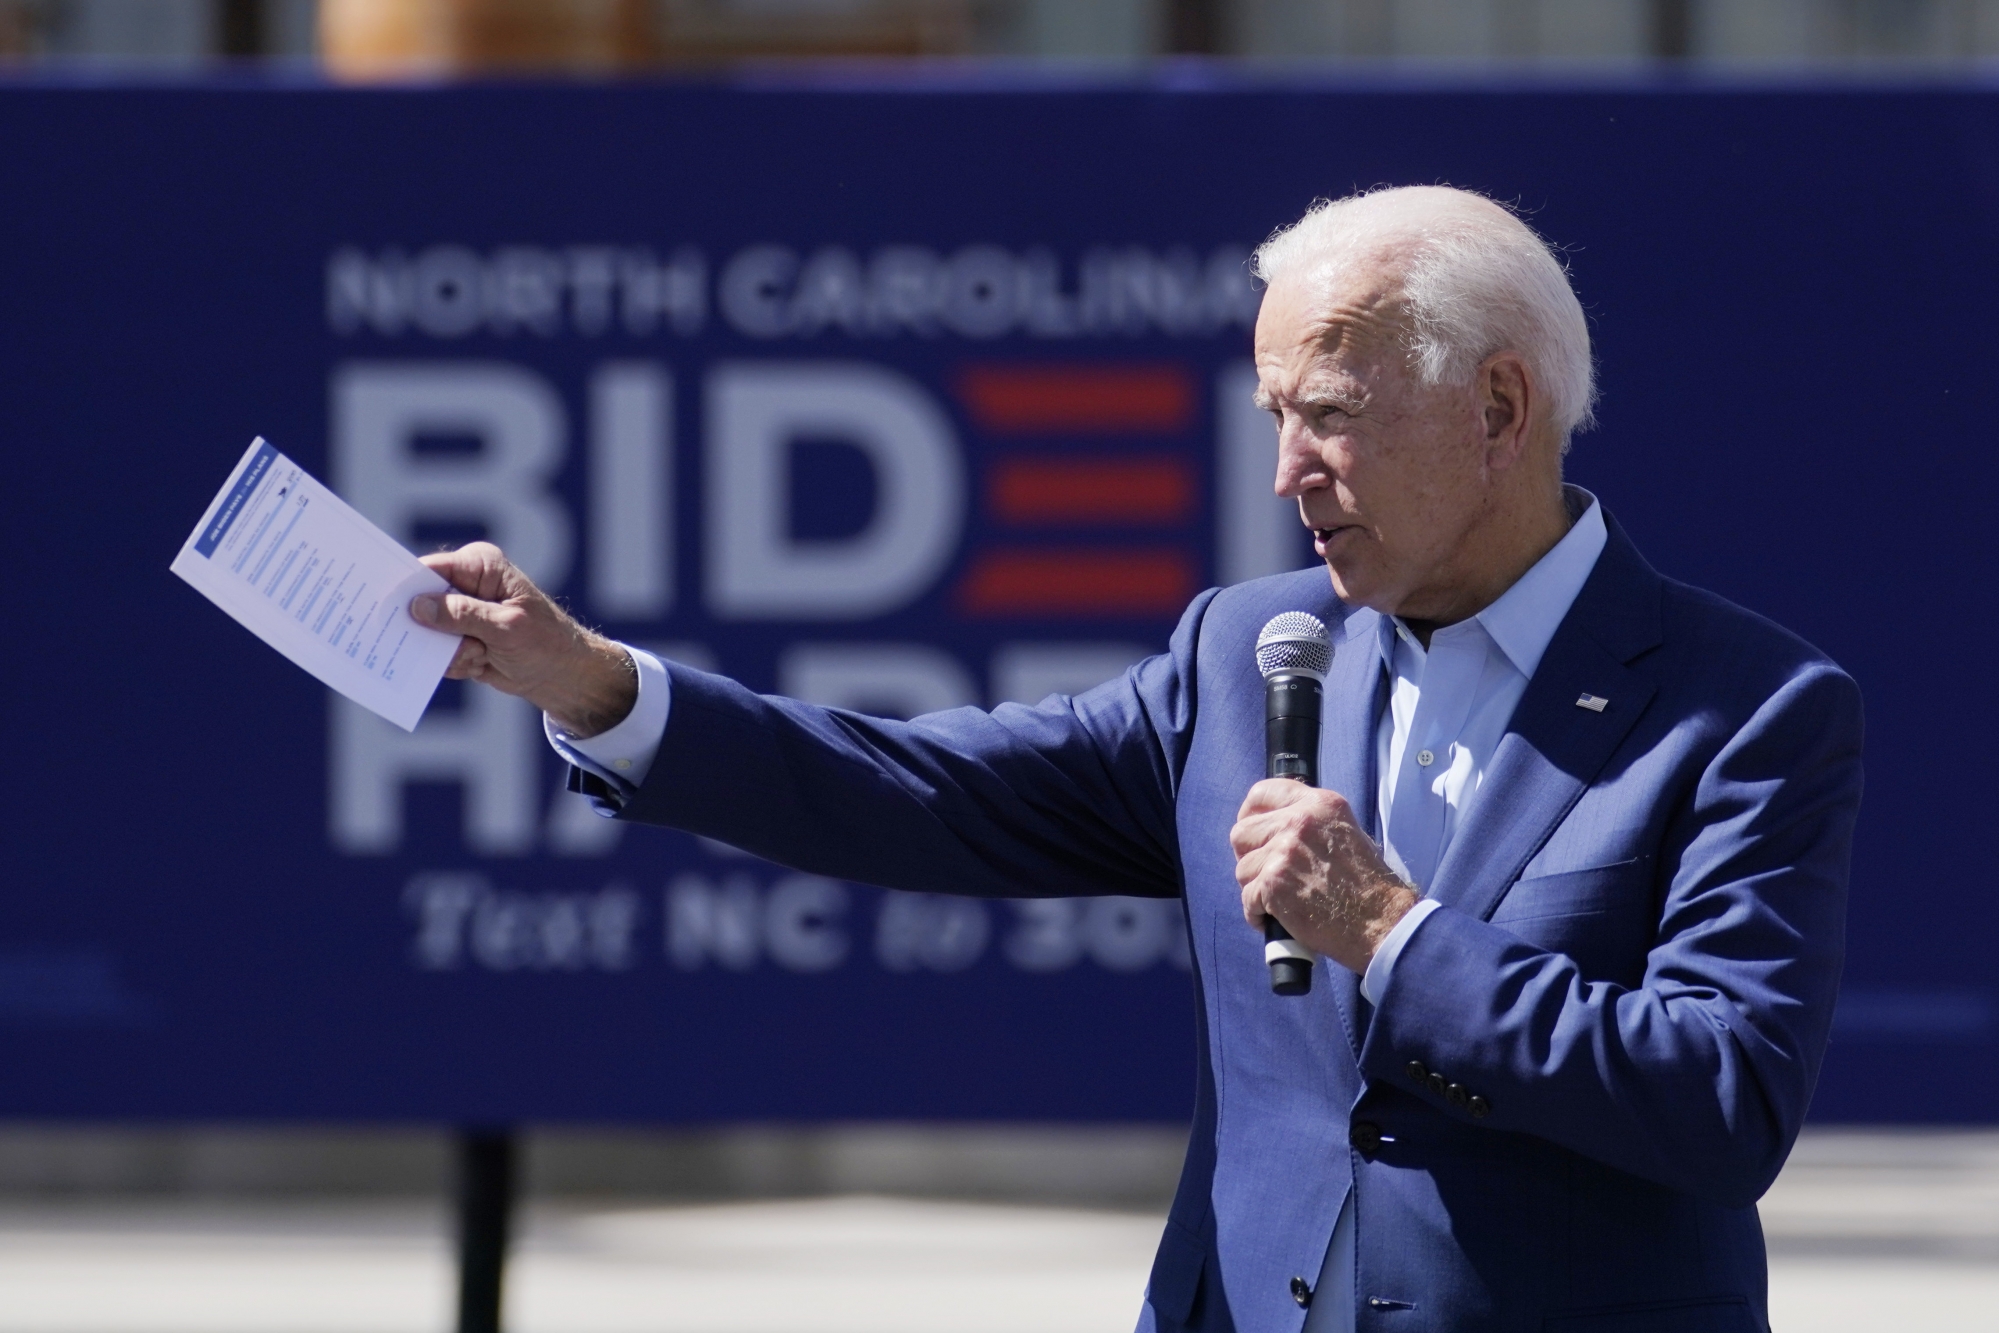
column 1416, row 1071
column 1456, row 1094
column 1480, row 1108
column 1437, row 1082
column 1301, row 1292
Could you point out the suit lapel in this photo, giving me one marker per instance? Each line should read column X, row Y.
column 1346, row 765
column 1554, row 747
column 1346, row 726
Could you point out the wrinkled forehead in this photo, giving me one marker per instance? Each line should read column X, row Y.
column 1337, row 311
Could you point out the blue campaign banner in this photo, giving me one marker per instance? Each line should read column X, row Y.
column 896, row 396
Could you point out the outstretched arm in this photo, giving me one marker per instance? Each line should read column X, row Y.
column 1073, row 797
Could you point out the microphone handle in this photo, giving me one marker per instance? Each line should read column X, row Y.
column 1290, row 962
column 1291, row 749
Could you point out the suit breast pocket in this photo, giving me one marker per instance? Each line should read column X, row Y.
column 1602, row 916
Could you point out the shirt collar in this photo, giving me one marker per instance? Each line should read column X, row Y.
column 1523, row 621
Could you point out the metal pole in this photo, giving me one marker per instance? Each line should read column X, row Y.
column 240, row 29
column 1672, row 29
column 1193, row 27
column 485, row 1206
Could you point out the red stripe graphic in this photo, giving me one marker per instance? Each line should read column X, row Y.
column 1078, row 400
column 1156, row 582
column 1092, row 490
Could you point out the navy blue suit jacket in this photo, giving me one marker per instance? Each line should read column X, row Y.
column 1593, row 1058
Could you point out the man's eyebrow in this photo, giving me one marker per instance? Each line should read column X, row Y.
column 1325, row 395
column 1333, row 395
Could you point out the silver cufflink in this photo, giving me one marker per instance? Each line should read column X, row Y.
column 1594, row 702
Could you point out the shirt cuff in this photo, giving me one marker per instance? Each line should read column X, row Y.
column 1374, row 982
column 623, row 755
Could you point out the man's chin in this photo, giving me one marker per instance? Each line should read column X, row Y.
column 1357, row 592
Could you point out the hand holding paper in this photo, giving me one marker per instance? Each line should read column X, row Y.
column 317, row 581
column 519, row 641
column 304, row 572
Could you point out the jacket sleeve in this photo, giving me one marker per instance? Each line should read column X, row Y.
column 1699, row 1077
column 1074, row 796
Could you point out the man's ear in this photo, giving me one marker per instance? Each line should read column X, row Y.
column 1507, row 399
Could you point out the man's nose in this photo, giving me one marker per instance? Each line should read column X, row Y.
column 1299, row 466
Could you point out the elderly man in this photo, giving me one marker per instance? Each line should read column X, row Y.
column 1579, row 857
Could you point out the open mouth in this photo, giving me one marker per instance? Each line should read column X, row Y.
column 1322, row 536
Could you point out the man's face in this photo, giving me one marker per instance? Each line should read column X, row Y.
column 1388, row 473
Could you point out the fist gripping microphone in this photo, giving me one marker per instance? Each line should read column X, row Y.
column 1293, row 653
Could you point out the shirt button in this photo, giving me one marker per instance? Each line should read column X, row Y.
column 621, row 764
column 1426, row 757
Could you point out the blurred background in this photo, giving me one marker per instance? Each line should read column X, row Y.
column 885, row 1221
column 369, row 38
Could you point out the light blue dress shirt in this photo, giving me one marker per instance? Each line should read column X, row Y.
column 1448, row 706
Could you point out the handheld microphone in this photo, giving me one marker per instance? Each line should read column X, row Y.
column 1294, row 652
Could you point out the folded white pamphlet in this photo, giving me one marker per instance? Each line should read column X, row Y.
column 321, row 584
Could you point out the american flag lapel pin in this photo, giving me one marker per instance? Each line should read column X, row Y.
column 1594, row 702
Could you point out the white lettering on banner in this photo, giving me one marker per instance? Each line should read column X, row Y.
column 460, row 917
column 902, row 680
column 930, row 931
column 756, row 570
column 979, row 291
column 490, row 747
column 1118, row 934
column 384, row 414
column 451, row 291
column 631, row 491
column 985, row 291
column 799, row 930
column 707, row 921
column 796, row 924
column 382, row 409
column 733, row 923
column 752, row 294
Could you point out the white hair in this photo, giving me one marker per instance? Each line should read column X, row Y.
column 1475, row 280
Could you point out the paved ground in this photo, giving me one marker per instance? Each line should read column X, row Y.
column 1868, row 1232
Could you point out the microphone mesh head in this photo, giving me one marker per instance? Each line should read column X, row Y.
column 1294, row 642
